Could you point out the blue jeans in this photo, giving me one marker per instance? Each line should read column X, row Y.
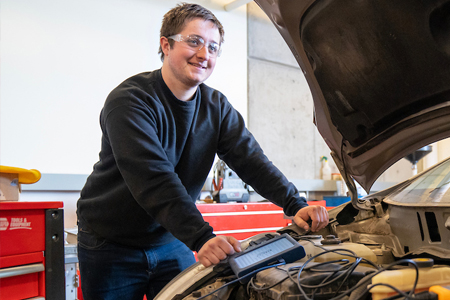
column 109, row 271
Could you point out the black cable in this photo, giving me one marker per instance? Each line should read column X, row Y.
column 323, row 253
column 359, row 283
column 358, row 260
column 324, row 284
column 345, row 273
column 324, row 281
column 400, row 292
column 240, row 278
column 264, row 288
column 361, row 292
column 351, row 267
column 369, row 277
column 334, row 272
column 312, row 268
column 366, row 261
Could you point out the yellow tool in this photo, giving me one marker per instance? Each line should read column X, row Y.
column 25, row 176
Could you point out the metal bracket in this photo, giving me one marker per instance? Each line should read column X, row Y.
column 54, row 254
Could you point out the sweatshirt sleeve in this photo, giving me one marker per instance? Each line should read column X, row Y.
column 242, row 153
column 132, row 131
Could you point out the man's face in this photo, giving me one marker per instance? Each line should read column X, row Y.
column 187, row 65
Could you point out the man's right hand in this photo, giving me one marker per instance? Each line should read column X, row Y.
column 217, row 249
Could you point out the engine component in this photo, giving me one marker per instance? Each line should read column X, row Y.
column 318, row 280
column 222, row 293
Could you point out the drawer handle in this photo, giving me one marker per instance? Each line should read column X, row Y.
column 21, row 270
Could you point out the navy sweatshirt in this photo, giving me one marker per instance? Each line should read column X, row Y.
column 156, row 153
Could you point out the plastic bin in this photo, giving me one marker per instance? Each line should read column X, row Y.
column 403, row 279
column 332, row 201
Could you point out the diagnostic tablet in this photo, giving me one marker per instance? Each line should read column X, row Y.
column 282, row 247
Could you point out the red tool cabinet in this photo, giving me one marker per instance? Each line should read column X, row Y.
column 244, row 220
column 31, row 250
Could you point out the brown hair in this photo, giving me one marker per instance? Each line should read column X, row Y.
column 175, row 20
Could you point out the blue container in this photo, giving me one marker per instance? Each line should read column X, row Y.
column 335, row 200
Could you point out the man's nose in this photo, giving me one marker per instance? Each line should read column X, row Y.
column 203, row 52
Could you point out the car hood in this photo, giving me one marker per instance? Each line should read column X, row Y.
column 379, row 74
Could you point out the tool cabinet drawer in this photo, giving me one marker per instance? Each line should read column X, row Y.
column 22, row 226
column 22, row 282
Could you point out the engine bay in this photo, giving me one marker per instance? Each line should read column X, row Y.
column 330, row 270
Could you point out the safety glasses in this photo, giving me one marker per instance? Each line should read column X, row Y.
column 197, row 43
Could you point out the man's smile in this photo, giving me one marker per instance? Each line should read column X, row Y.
column 198, row 65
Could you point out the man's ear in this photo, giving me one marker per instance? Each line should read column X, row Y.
column 165, row 46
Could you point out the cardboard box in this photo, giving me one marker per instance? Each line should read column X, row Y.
column 11, row 178
column 9, row 187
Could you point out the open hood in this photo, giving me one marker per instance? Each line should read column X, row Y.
column 379, row 73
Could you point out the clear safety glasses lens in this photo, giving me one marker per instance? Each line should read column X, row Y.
column 197, row 43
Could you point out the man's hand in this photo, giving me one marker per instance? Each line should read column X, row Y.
column 217, row 249
column 317, row 214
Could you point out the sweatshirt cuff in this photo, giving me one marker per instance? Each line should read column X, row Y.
column 200, row 242
column 295, row 204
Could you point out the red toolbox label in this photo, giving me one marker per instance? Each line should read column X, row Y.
column 15, row 223
column 4, row 223
column 22, row 231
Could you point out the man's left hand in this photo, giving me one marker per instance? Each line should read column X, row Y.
column 317, row 214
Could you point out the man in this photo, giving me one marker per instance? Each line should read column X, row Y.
column 138, row 223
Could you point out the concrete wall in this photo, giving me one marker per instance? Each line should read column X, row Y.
column 280, row 102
